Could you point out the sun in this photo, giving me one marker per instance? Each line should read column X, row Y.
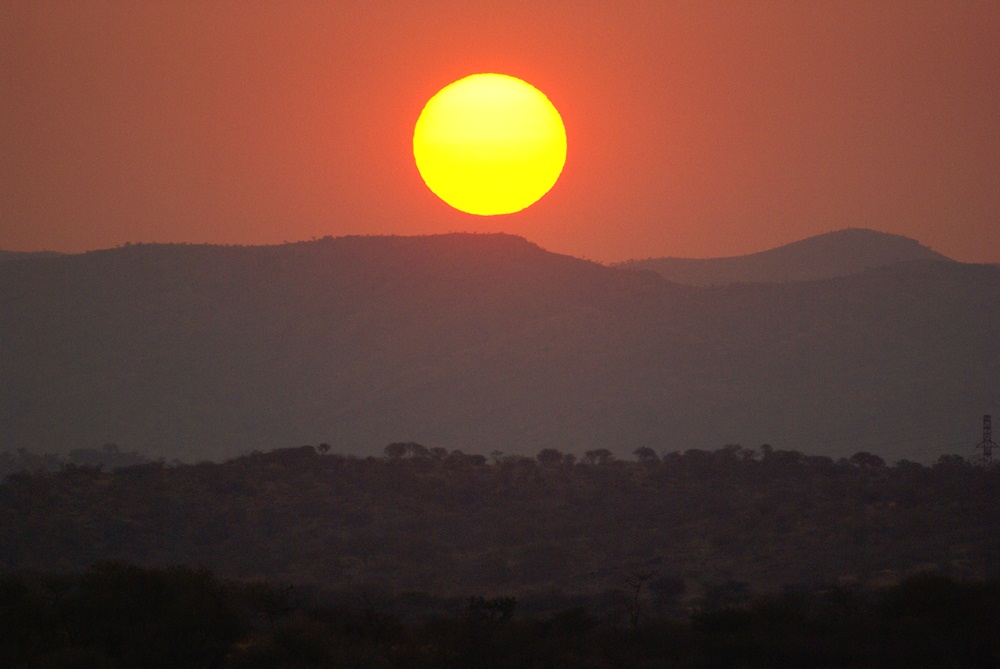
column 489, row 144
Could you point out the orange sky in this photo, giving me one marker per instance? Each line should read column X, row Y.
column 702, row 128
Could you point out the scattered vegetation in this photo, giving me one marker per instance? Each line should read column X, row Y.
column 109, row 456
column 671, row 530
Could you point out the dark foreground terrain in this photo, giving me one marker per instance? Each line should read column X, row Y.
column 451, row 524
column 118, row 616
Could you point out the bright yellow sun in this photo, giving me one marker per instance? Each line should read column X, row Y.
column 489, row 144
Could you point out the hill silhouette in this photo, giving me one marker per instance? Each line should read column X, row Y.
column 826, row 256
column 23, row 255
column 482, row 343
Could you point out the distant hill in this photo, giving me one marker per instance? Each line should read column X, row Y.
column 483, row 343
column 826, row 256
column 24, row 255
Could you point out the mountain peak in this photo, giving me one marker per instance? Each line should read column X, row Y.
column 832, row 254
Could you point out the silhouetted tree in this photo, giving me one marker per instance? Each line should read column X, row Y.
column 415, row 450
column 395, row 450
column 867, row 460
column 635, row 584
column 549, row 457
column 645, row 455
column 600, row 456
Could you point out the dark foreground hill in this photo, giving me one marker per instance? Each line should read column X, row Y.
column 826, row 256
column 483, row 343
column 116, row 615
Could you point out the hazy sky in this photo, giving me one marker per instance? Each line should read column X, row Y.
column 702, row 128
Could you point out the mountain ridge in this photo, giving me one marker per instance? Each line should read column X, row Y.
column 480, row 343
column 6, row 256
column 829, row 255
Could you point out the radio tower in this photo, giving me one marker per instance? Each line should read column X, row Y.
column 987, row 443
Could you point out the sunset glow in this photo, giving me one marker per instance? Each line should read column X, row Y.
column 696, row 128
column 489, row 144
